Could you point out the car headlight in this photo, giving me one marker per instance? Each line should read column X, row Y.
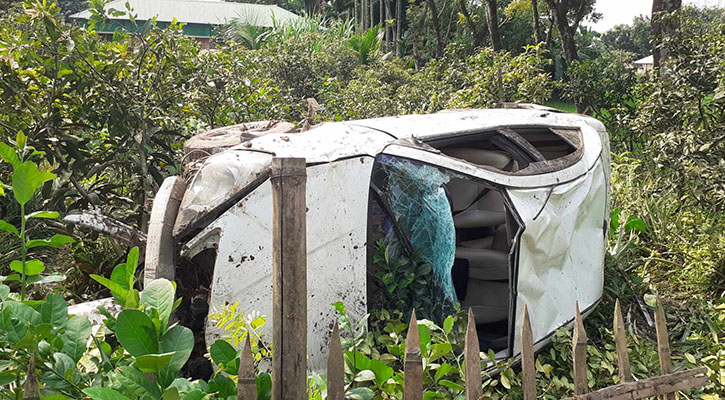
column 219, row 179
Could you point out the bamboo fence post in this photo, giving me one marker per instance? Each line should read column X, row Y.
column 413, row 389
column 527, row 358
column 335, row 367
column 472, row 358
column 663, row 343
column 246, row 378
column 620, row 338
column 579, row 353
column 289, row 275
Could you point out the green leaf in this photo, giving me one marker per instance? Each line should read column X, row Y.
column 131, row 264
column 448, row 325
column 23, row 311
column 32, row 267
column 153, row 362
column 75, row 337
column 43, row 214
column 114, row 287
column 505, row 381
column 137, row 333
column 55, row 242
column 361, row 393
column 27, row 178
column 21, row 140
column 439, row 350
column 451, row 385
column 635, row 224
column 180, row 340
column 40, row 279
column 102, row 393
column 195, row 395
column 442, row 370
column 54, row 310
column 382, row 372
column 264, row 385
column 159, row 294
column 364, row 376
column 4, row 292
column 222, row 352
column 9, row 228
column 9, row 155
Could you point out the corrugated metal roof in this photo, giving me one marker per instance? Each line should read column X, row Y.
column 199, row 12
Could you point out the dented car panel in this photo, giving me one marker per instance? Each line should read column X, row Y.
column 527, row 195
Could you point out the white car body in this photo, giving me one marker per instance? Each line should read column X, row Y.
column 556, row 216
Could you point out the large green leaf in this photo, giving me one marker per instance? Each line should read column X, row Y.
column 131, row 264
column 75, row 337
column 4, row 292
column 8, row 228
column 32, row 267
column 55, row 242
column 54, row 310
column 8, row 154
column 180, row 340
column 23, row 312
column 137, row 333
column 27, row 178
column 154, row 362
column 102, row 393
column 138, row 384
column 159, row 294
column 43, row 214
column 114, row 287
column 222, row 352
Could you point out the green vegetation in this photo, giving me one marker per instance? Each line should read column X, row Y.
column 99, row 124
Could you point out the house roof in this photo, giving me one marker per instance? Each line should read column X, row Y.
column 208, row 12
column 646, row 60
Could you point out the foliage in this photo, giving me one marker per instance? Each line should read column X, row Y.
column 405, row 282
column 632, row 38
column 27, row 179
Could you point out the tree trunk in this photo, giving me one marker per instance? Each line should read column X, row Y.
column 436, row 26
column 537, row 27
column 492, row 17
column 477, row 37
column 663, row 29
column 399, row 25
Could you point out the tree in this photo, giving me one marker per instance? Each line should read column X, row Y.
column 633, row 38
column 567, row 14
column 537, row 24
column 664, row 26
column 492, row 18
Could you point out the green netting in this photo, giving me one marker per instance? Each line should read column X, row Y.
column 415, row 194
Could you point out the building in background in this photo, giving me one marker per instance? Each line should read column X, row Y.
column 644, row 65
column 200, row 18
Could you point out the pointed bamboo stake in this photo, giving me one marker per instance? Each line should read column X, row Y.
column 472, row 357
column 247, row 382
column 527, row 358
column 30, row 389
column 625, row 373
column 335, row 368
column 579, row 353
column 663, row 343
column 413, row 389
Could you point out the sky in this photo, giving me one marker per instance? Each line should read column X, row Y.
column 615, row 12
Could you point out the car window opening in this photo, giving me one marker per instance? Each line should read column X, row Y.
column 416, row 207
column 519, row 150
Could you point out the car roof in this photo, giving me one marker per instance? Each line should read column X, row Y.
column 337, row 140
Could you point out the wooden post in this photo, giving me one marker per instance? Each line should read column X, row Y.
column 579, row 353
column 527, row 358
column 335, row 367
column 663, row 343
column 472, row 358
column 246, row 378
column 625, row 373
column 413, row 389
column 289, row 275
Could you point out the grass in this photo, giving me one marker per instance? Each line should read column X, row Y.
column 567, row 106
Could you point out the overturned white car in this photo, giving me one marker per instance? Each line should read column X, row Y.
column 509, row 206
